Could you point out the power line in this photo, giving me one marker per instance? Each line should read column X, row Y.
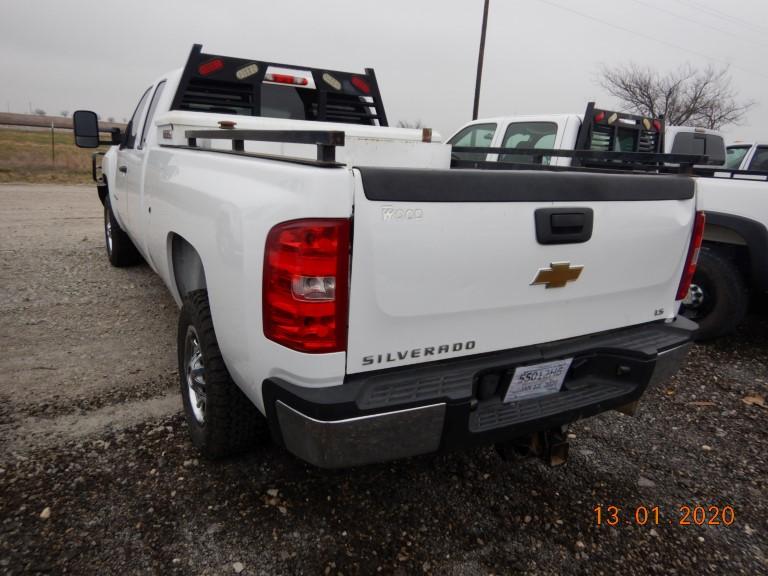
column 653, row 38
column 698, row 22
column 723, row 15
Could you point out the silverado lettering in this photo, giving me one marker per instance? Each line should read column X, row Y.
column 417, row 353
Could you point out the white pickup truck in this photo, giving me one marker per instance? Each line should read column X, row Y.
column 342, row 285
column 734, row 258
column 747, row 156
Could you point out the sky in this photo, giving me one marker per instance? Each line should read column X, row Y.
column 542, row 56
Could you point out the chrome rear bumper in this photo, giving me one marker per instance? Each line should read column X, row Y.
column 363, row 439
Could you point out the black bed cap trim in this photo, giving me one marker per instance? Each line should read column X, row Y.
column 424, row 185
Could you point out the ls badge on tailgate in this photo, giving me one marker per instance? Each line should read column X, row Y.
column 557, row 275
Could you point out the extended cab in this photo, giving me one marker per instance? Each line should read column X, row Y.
column 342, row 285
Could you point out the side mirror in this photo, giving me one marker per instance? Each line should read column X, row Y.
column 86, row 126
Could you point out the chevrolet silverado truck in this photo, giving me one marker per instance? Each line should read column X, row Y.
column 733, row 262
column 342, row 286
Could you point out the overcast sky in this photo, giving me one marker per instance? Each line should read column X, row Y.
column 542, row 56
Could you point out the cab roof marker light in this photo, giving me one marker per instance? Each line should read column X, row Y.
column 331, row 81
column 247, row 71
column 286, row 79
column 210, row 67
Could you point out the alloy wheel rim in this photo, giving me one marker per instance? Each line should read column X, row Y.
column 108, row 229
column 195, row 375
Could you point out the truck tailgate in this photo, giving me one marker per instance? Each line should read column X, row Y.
column 444, row 261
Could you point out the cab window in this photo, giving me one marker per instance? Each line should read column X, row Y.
column 760, row 159
column 735, row 156
column 133, row 125
column 151, row 113
column 710, row 145
column 476, row 136
column 528, row 135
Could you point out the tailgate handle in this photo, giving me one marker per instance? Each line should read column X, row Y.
column 563, row 225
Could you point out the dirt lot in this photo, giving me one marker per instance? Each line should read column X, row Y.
column 97, row 475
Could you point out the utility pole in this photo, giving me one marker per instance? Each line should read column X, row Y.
column 480, row 62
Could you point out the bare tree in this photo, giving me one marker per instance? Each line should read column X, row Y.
column 409, row 124
column 64, row 113
column 39, row 111
column 685, row 97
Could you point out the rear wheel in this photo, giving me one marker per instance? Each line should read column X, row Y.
column 120, row 250
column 718, row 296
column 222, row 421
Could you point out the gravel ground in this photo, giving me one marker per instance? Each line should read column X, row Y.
column 97, row 475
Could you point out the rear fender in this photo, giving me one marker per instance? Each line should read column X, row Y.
column 737, row 230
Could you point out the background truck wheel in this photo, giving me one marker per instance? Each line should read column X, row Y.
column 718, row 297
column 120, row 249
column 222, row 420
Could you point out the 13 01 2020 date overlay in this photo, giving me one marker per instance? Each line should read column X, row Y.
column 684, row 515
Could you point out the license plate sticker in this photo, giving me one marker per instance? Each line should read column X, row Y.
column 537, row 380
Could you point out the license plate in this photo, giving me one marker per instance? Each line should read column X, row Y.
column 537, row 379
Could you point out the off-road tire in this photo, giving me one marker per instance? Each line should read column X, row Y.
column 120, row 251
column 724, row 286
column 232, row 424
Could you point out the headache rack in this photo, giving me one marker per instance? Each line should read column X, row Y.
column 609, row 131
column 224, row 85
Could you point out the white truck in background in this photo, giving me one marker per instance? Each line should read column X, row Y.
column 606, row 131
column 747, row 156
column 342, row 285
column 734, row 259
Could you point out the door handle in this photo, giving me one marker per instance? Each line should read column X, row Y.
column 123, row 169
column 563, row 225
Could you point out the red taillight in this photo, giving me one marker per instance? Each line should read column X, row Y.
column 693, row 257
column 306, row 285
column 600, row 116
column 210, row 67
column 286, row 79
column 361, row 84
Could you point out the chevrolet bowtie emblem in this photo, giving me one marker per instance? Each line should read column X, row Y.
column 557, row 275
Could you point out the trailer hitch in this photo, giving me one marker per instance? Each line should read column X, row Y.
column 551, row 446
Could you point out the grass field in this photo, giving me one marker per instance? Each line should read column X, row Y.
column 25, row 156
